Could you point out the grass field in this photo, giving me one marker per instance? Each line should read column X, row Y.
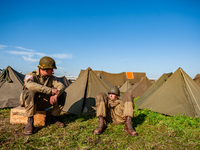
column 155, row 131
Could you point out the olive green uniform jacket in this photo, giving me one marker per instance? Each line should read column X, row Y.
column 114, row 111
column 37, row 91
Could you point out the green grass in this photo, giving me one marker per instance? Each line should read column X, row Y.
column 155, row 131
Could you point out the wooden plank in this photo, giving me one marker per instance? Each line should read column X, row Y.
column 18, row 116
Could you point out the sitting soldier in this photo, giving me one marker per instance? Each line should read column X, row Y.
column 42, row 90
column 115, row 110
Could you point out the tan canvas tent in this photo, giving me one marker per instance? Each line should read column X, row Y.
column 177, row 96
column 152, row 89
column 197, row 76
column 197, row 79
column 64, row 81
column 118, row 79
column 82, row 92
column 125, row 87
column 101, row 76
column 152, row 80
column 142, row 86
column 11, row 83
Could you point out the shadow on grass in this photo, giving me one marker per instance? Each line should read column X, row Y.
column 138, row 120
column 68, row 118
column 38, row 128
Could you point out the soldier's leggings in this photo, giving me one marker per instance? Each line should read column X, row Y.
column 128, row 101
column 38, row 101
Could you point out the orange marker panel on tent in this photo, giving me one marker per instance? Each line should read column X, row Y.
column 129, row 75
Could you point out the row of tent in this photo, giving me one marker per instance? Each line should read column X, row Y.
column 172, row 94
column 81, row 94
column 11, row 83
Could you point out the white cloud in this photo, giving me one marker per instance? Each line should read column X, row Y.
column 31, row 56
column 61, row 68
column 3, row 46
column 30, row 59
column 40, row 54
column 62, row 56
column 19, row 47
column 25, row 53
column 59, row 56
column 20, row 53
column 27, row 56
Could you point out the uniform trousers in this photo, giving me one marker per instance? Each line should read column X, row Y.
column 33, row 101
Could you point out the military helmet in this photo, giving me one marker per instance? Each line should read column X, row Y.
column 47, row 63
column 114, row 90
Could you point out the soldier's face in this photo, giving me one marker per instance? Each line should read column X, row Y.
column 113, row 96
column 47, row 72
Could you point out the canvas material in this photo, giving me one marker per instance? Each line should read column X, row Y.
column 82, row 92
column 10, row 91
column 118, row 79
column 141, row 87
column 177, row 96
column 152, row 89
column 125, row 87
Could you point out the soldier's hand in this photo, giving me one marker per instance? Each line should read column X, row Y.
column 55, row 91
column 53, row 99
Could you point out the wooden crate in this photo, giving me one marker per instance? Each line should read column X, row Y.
column 18, row 115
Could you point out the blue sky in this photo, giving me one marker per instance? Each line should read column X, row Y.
column 151, row 36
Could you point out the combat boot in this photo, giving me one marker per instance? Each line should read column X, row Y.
column 100, row 127
column 54, row 120
column 128, row 127
column 30, row 126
